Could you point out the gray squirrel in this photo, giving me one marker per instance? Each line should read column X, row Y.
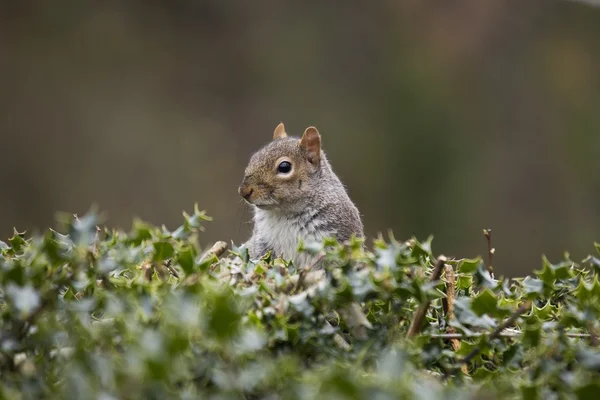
column 296, row 195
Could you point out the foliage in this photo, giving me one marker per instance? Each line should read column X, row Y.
column 103, row 314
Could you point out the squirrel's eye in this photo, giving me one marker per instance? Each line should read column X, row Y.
column 284, row 167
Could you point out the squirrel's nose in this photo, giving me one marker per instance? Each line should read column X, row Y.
column 245, row 191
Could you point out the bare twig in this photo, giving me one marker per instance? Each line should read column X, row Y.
column 217, row 250
column 304, row 272
column 593, row 335
column 339, row 340
column 172, row 270
column 495, row 334
column 488, row 235
column 503, row 334
column 448, row 301
column 148, row 270
column 510, row 321
column 419, row 317
column 448, row 306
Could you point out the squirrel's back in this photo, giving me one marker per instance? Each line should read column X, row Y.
column 296, row 195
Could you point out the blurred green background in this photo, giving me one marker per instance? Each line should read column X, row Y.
column 440, row 117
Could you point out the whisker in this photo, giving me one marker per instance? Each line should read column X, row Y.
column 242, row 213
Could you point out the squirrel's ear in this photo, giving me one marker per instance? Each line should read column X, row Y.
column 279, row 132
column 311, row 143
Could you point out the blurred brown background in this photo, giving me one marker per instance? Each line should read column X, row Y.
column 440, row 117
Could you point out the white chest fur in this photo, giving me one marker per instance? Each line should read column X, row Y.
column 282, row 233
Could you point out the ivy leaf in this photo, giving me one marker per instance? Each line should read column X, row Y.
column 466, row 315
column 486, row 302
column 532, row 286
column 589, row 359
column 422, row 249
column 163, row 250
column 530, row 391
column 551, row 272
column 17, row 241
column 589, row 391
column 185, row 258
column 224, row 317
column 83, row 231
column 532, row 335
column 588, row 292
column 241, row 252
column 594, row 262
column 386, row 257
column 25, row 299
column 546, row 312
column 483, row 278
column 469, row 266
column 140, row 232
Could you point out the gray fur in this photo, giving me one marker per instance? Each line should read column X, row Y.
column 310, row 206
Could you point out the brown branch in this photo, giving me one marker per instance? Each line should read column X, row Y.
column 339, row 340
column 304, row 272
column 495, row 334
column 448, row 301
column 419, row 317
column 168, row 265
column 503, row 335
column 217, row 250
column 592, row 334
column 488, row 235
column 448, row 306
column 148, row 270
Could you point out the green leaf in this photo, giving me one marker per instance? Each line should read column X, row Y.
column 533, row 286
column 241, row 252
column 185, row 258
column 483, row 278
column 224, row 317
column 469, row 266
column 530, row 392
column 195, row 220
column 17, row 241
column 464, row 282
column 589, row 391
column 545, row 313
column 140, row 232
column 551, row 272
column 83, row 231
column 422, row 249
column 466, row 315
column 588, row 291
column 163, row 250
column 486, row 302
column 25, row 299
column 532, row 335
column 594, row 262
column 589, row 359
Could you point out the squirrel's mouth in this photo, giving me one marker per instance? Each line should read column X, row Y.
column 265, row 206
column 259, row 199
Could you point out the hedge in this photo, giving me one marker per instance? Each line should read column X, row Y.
column 98, row 313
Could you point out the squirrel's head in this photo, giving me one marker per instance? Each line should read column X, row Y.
column 282, row 173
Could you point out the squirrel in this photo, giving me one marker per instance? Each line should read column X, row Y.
column 295, row 195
